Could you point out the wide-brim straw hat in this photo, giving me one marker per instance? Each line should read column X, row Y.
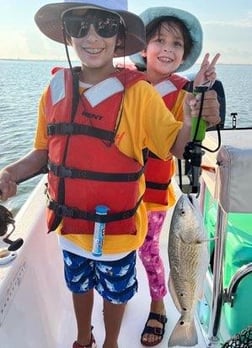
column 190, row 21
column 49, row 20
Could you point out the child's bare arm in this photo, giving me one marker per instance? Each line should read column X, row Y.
column 20, row 170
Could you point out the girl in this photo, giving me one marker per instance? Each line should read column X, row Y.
column 174, row 42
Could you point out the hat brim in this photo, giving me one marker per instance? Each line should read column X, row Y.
column 190, row 21
column 49, row 21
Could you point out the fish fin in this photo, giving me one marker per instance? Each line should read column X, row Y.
column 173, row 294
column 183, row 334
column 207, row 240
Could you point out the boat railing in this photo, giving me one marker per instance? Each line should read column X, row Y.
column 217, row 295
column 229, row 293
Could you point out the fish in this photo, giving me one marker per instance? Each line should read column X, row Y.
column 188, row 255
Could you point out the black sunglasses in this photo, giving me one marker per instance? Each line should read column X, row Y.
column 106, row 24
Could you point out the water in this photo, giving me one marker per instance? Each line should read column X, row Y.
column 22, row 82
column 237, row 83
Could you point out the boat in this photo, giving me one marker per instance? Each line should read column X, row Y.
column 36, row 308
column 226, row 205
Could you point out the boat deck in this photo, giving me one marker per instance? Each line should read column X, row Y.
column 35, row 306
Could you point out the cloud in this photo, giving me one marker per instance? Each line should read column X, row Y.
column 230, row 38
column 14, row 43
column 29, row 44
column 244, row 22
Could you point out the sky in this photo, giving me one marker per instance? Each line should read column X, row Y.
column 227, row 28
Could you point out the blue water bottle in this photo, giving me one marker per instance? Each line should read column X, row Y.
column 99, row 231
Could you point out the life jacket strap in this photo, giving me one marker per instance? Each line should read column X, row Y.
column 66, row 172
column 79, row 129
column 62, row 210
column 157, row 186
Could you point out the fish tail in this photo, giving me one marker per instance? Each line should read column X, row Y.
column 183, row 334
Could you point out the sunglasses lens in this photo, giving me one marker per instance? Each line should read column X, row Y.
column 76, row 27
column 106, row 25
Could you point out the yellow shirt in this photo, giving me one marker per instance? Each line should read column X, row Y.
column 145, row 122
column 177, row 111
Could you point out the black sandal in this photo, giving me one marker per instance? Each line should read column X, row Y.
column 156, row 331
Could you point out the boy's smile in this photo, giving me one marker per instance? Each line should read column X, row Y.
column 93, row 50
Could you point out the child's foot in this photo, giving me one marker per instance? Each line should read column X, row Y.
column 154, row 329
column 91, row 344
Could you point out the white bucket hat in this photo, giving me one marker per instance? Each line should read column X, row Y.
column 190, row 21
column 49, row 20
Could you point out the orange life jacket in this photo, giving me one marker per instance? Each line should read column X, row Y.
column 86, row 169
column 158, row 173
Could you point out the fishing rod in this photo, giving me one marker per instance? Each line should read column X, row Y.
column 6, row 217
column 194, row 149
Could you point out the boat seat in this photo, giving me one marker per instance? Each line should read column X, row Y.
column 229, row 189
column 230, row 184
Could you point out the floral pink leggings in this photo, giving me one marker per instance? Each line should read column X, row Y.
column 149, row 254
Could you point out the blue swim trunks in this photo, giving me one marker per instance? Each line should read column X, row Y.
column 115, row 281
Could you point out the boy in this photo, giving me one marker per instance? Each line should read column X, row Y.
column 93, row 124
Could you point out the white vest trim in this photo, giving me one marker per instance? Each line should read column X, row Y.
column 165, row 87
column 95, row 94
column 103, row 90
column 57, row 86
